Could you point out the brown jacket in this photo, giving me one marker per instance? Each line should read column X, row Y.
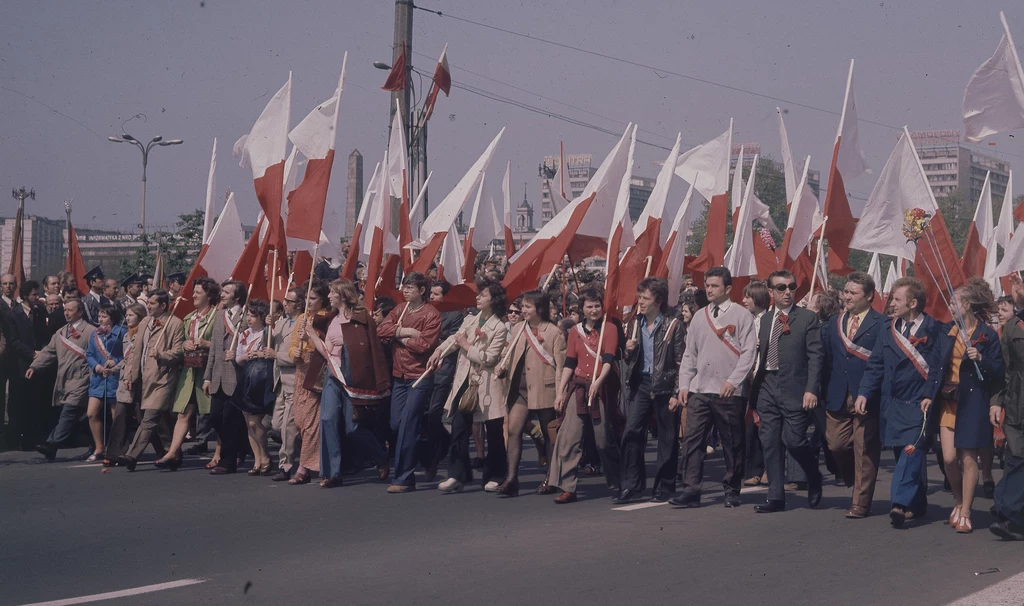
column 157, row 372
column 363, row 362
column 540, row 376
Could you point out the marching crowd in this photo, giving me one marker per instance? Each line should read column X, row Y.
column 408, row 387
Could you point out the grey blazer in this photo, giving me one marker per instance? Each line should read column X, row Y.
column 800, row 356
column 220, row 373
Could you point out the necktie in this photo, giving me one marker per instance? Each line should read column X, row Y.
column 906, row 329
column 851, row 330
column 714, row 311
column 772, row 361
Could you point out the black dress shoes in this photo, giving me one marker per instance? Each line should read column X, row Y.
column 628, row 496
column 897, row 516
column 660, row 496
column 127, row 462
column 1008, row 531
column 814, row 495
column 197, row 449
column 770, row 506
column 47, row 451
column 732, row 500
column 685, row 499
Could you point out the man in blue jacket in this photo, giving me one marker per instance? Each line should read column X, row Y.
column 848, row 339
column 905, row 371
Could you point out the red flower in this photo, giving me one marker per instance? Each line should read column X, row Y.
column 480, row 334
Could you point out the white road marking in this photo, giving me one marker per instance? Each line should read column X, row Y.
column 1007, row 592
column 100, row 463
column 637, row 506
column 751, row 489
column 124, row 593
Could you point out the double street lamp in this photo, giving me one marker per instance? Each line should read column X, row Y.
column 157, row 141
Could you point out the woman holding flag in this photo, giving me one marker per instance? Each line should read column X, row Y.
column 256, row 366
column 125, row 399
column 104, row 355
column 964, row 398
column 535, row 361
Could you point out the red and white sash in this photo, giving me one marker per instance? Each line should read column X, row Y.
column 229, row 325
column 852, row 348
column 538, row 349
column 585, row 340
column 252, row 341
column 910, row 351
column 72, row 346
column 726, row 333
column 100, row 346
column 193, row 327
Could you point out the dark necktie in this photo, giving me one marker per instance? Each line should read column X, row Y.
column 772, row 359
column 714, row 311
column 906, row 329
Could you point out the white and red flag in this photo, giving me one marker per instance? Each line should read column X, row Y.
column 903, row 186
column 378, row 232
column 355, row 247
column 579, row 231
column 211, row 188
column 315, row 137
column 451, row 264
column 556, row 185
column 740, row 259
column 804, row 217
column 875, row 271
column 484, row 227
column 651, row 230
column 218, row 255
column 398, row 184
column 435, row 227
column 442, row 81
column 847, row 163
column 994, row 97
column 980, row 234
column 673, row 254
column 707, row 168
column 620, row 237
column 506, row 212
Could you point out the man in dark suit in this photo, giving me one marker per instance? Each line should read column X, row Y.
column 132, row 289
column 785, row 389
column 24, row 411
column 438, row 438
column 847, row 340
column 904, row 372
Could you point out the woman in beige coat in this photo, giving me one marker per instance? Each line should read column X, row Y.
column 479, row 341
column 538, row 354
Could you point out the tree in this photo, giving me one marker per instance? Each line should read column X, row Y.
column 178, row 248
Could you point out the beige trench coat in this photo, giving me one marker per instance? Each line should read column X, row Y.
column 479, row 362
column 157, row 375
column 541, row 377
column 73, row 372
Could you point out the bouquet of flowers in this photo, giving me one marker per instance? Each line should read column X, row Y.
column 915, row 221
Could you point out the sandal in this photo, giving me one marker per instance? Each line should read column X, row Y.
column 330, row 482
column 299, row 478
column 213, row 463
column 964, row 525
column 954, row 517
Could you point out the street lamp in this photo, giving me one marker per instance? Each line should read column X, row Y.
column 158, row 141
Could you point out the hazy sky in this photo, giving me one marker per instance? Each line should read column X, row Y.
column 197, row 70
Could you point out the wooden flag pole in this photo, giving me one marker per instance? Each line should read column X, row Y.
column 273, row 284
column 245, row 308
column 647, row 274
column 817, row 257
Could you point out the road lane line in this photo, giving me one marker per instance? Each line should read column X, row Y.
column 124, row 593
column 751, row 489
column 1006, row 592
column 637, row 506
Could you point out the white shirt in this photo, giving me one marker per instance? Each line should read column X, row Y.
column 914, row 326
column 722, row 307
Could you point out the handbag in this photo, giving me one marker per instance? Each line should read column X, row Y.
column 197, row 358
column 470, row 399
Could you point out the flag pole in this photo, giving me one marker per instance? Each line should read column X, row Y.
column 234, row 339
column 817, row 256
column 647, row 273
column 305, row 307
column 273, row 283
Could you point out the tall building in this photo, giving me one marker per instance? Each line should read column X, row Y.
column 579, row 171
column 353, row 192
column 950, row 166
column 43, row 245
column 640, row 189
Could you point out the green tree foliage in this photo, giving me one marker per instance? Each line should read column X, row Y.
column 178, row 248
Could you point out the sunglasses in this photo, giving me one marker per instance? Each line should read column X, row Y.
column 514, row 311
column 784, row 287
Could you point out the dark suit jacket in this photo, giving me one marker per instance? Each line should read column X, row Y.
column 891, row 375
column 800, row 356
column 22, row 349
column 51, row 323
column 92, row 308
column 842, row 370
column 973, row 429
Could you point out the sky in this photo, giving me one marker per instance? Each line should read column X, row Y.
column 72, row 73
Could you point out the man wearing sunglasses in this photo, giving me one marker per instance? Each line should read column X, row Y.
column 786, row 384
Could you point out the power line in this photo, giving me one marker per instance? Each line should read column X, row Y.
column 661, row 70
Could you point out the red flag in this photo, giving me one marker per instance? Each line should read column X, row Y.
column 17, row 265
column 396, row 79
column 442, row 81
column 930, row 259
column 74, row 264
column 847, row 162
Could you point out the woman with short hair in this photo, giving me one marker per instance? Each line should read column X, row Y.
column 103, row 354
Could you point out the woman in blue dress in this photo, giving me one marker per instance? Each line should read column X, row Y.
column 104, row 354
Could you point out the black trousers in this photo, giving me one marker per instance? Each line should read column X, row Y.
column 496, row 461
column 642, row 406
column 753, row 465
column 705, row 411
column 439, row 441
column 229, row 423
column 23, row 412
column 784, row 429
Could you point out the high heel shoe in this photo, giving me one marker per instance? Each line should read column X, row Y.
column 174, row 463
column 954, row 517
column 213, row 463
column 508, row 489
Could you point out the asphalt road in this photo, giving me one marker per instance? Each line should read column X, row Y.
column 68, row 530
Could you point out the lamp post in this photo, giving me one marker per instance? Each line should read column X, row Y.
column 157, row 141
